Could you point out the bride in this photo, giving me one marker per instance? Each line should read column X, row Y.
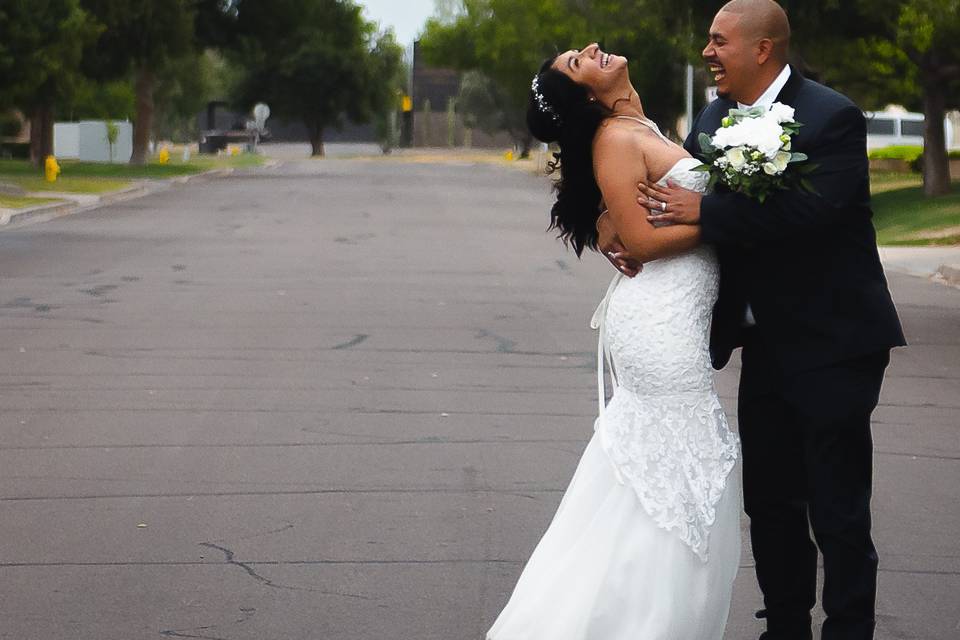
column 645, row 544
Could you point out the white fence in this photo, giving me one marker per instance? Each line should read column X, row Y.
column 87, row 140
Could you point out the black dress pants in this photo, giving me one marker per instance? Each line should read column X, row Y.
column 808, row 465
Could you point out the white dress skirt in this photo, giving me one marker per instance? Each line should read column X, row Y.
column 645, row 544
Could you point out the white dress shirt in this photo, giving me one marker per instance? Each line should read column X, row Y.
column 767, row 97
column 765, row 100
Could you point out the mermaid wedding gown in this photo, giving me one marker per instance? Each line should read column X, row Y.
column 645, row 544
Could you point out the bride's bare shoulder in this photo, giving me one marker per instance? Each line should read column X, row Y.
column 615, row 136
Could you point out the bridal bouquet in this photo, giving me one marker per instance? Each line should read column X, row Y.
column 751, row 153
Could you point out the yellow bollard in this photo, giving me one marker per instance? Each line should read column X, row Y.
column 51, row 169
column 508, row 156
column 164, row 156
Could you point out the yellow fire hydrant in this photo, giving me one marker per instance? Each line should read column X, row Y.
column 164, row 156
column 51, row 169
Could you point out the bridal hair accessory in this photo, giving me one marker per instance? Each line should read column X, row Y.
column 542, row 103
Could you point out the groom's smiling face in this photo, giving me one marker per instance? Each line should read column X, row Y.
column 729, row 56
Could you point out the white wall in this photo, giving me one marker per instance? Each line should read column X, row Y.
column 87, row 140
column 66, row 140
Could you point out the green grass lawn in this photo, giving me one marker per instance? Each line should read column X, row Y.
column 903, row 216
column 17, row 170
column 20, row 202
column 68, row 183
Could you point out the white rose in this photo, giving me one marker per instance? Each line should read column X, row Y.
column 781, row 160
column 735, row 157
column 782, row 112
column 770, row 169
column 762, row 133
column 768, row 134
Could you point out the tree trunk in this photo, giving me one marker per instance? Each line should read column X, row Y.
column 316, row 139
column 143, row 126
column 525, row 143
column 41, row 134
column 936, row 165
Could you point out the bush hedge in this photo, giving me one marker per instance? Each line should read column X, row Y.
column 16, row 150
column 912, row 155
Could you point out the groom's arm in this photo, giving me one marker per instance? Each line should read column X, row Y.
column 842, row 169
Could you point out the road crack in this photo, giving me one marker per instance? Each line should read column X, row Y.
column 230, row 558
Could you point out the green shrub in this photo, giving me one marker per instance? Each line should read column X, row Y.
column 9, row 124
column 17, row 150
column 908, row 153
column 912, row 155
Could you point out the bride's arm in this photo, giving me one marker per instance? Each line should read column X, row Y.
column 618, row 166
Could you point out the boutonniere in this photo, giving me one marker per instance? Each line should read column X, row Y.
column 750, row 153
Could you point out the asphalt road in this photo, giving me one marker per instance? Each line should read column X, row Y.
column 340, row 400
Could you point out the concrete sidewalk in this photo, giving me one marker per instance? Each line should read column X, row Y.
column 942, row 263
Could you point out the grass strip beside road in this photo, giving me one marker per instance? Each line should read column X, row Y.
column 103, row 177
column 66, row 184
column 904, row 216
column 22, row 202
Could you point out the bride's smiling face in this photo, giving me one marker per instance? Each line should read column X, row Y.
column 593, row 68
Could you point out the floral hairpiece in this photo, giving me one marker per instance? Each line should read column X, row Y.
column 542, row 103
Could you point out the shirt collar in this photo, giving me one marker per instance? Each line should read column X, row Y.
column 767, row 97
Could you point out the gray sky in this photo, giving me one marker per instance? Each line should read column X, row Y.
column 405, row 16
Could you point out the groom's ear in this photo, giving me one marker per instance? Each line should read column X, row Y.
column 764, row 50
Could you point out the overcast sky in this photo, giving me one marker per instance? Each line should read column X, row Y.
column 405, row 16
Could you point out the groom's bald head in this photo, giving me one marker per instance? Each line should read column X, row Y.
column 763, row 19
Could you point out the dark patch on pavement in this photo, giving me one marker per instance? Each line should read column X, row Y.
column 355, row 239
column 99, row 290
column 504, row 345
column 182, row 633
column 357, row 339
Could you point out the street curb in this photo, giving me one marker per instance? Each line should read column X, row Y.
column 51, row 210
column 46, row 212
column 948, row 274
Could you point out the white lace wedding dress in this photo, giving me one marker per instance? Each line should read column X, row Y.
column 646, row 542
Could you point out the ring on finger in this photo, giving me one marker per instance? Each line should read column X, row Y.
column 663, row 206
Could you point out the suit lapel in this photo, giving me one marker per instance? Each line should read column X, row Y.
column 790, row 90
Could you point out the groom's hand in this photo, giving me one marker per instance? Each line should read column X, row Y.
column 613, row 250
column 671, row 203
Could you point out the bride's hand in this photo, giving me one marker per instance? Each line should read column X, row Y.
column 671, row 203
column 613, row 250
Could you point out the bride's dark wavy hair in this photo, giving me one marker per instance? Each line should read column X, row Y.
column 572, row 125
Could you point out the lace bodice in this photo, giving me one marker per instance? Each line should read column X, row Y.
column 664, row 429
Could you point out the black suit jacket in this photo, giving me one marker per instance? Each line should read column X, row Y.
column 807, row 264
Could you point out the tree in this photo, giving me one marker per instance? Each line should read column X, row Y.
column 922, row 37
column 185, row 87
column 315, row 60
column 41, row 45
column 141, row 37
column 507, row 40
column 879, row 52
column 888, row 51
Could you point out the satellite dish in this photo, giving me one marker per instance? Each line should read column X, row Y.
column 260, row 114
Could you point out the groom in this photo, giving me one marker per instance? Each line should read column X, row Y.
column 803, row 292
